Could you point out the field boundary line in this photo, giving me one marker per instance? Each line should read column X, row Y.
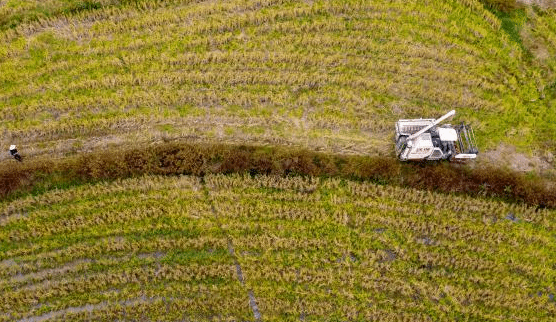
column 231, row 251
column 19, row 179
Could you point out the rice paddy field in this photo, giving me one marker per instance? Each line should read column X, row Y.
column 327, row 75
column 233, row 247
column 157, row 182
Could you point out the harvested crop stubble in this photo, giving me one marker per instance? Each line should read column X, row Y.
column 297, row 72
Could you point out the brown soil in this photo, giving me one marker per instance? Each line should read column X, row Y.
column 507, row 156
column 545, row 4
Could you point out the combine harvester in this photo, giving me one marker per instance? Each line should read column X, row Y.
column 422, row 139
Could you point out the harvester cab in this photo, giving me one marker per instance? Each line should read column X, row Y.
column 424, row 139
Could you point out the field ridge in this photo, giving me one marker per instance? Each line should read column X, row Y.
column 182, row 157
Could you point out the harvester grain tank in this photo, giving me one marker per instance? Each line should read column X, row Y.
column 424, row 139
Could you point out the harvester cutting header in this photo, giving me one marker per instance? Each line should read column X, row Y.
column 423, row 139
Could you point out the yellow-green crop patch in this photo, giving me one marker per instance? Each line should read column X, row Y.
column 273, row 70
column 272, row 248
column 324, row 75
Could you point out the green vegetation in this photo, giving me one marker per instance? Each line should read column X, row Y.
column 14, row 13
column 157, row 217
column 501, row 5
column 145, row 248
column 330, row 75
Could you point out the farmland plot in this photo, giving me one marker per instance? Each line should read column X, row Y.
column 272, row 248
column 329, row 75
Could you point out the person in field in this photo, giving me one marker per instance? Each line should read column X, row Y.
column 14, row 153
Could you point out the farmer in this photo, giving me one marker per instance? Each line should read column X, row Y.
column 13, row 152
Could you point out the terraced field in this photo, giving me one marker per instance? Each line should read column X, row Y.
column 328, row 75
column 272, row 248
column 205, row 87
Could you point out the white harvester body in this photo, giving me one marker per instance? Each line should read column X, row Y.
column 423, row 139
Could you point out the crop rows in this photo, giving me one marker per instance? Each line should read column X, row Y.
column 276, row 67
column 103, row 253
column 302, row 242
column 306, row 247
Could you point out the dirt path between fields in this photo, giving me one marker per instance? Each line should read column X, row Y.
column 545, row 4
column 184, row 157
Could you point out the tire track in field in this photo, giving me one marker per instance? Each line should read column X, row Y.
column 239, row 272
